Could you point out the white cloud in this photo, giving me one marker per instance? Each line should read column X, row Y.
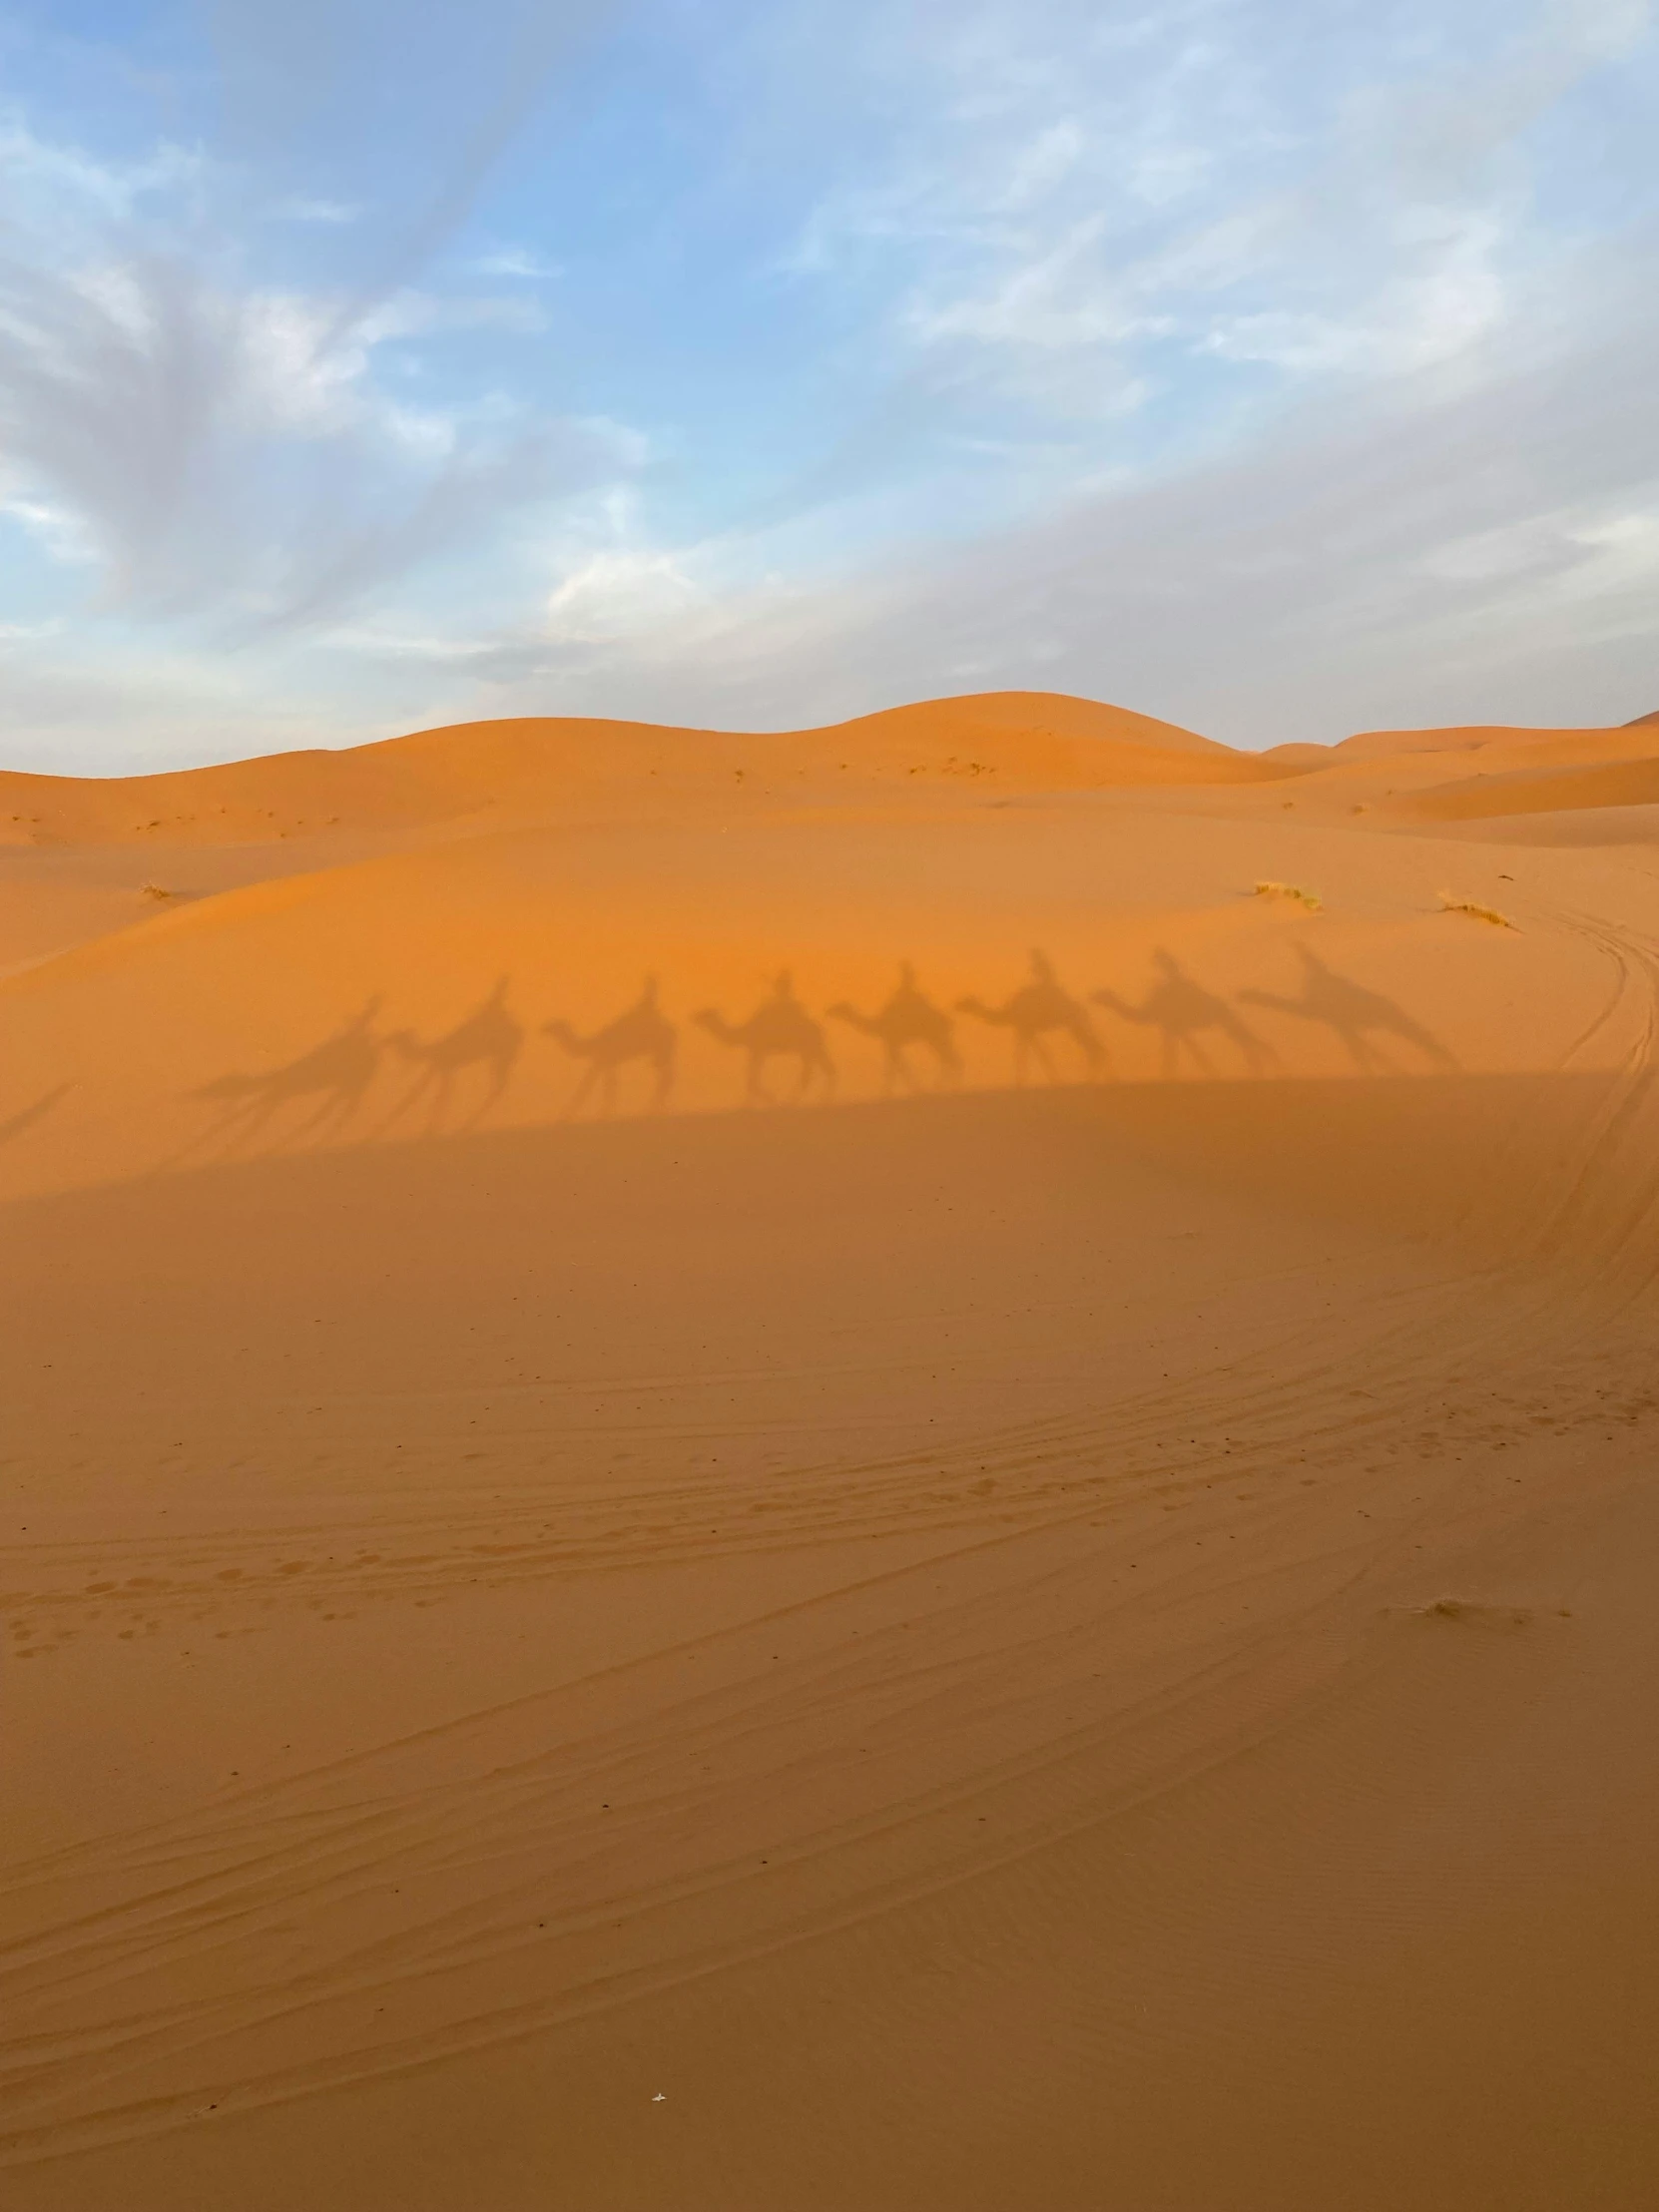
column 224, row 447
column 620, row 595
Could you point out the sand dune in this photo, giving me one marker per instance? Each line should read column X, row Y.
column 856, row 1487
column 1539, row 792
column 1017, row 739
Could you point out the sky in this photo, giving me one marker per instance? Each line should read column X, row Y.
column 1281, row 367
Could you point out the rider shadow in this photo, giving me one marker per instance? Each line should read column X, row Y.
column 1181, row 1010
column 1354, row 1014
column 778, row 1029
column 644, row 1033
column 488, row 1040
column 907, row 1019
column 336, row 1074
column 1040, row 1010
column 21, row 1123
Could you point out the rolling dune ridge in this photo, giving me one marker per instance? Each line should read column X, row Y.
column 806, row 1473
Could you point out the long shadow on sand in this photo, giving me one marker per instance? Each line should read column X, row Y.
column 334, row 1077
column 460, row 1076
column 1355, row 1014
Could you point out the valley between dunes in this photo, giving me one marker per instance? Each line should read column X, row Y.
column 809, row 1473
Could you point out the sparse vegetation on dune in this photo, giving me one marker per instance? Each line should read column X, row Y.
column 1303, row 897
column 1451, row 905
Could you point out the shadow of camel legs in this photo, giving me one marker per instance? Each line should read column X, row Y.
column 335, row 1076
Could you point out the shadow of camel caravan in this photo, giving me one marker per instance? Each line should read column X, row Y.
column 1042, row 1008
column 635, row 1058
column 909, row 1018
column 779, row 1028
column 644, row 1032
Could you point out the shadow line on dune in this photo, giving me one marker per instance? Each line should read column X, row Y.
column 1313, row 1144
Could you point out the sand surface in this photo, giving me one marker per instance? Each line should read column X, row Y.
column 809, row 1475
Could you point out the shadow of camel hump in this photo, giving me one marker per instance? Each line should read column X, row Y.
column 910, row 1017
column 778, row 1029
column 1354, row 1013
column 644, row 1032
column 336, row 1074
column 1040, row 1010
column 489, row 1039
column 1181, row 1009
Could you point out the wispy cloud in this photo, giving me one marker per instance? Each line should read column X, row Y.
column 224, row 447
column 515, row 261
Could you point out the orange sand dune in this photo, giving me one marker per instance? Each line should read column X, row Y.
column 846, row 1490
column 1372, row 745
column 1016, row 740
column 1418, row 778
column 1524, row 792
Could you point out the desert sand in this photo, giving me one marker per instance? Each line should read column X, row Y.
column 811, row 1473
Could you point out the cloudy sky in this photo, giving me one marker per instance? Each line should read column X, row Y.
column 1280, row 367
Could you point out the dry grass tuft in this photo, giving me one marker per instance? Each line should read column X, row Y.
column 154, row 890
column 1310, row 899
column 1451, row 905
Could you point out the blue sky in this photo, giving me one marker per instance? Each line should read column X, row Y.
column 1281, row 367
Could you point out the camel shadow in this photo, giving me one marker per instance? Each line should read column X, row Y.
column 1041, row 1008
column 1182, row 1010
column 336, row 1074
column 909, row 1018
column 778, row 1029
column 1355, row 1014
column 642, row 1032
column 20, row 1123
column 490, row 1040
